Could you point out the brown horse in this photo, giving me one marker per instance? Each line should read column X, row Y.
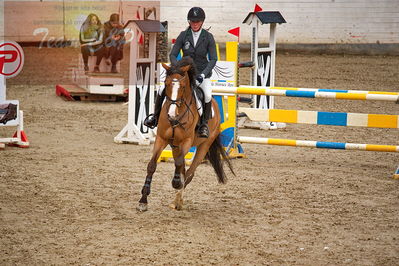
column 177, row 127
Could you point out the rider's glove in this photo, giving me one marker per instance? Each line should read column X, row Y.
column 200, row 78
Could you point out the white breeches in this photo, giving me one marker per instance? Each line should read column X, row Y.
column 206, row 88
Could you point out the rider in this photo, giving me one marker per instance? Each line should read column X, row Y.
column 200, row 45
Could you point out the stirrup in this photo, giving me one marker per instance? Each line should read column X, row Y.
column 151, row 121
column 203, row 131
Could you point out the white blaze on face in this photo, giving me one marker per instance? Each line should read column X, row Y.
column 175, row 90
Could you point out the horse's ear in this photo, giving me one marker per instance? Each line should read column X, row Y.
column 185, row 68
column 165, row 66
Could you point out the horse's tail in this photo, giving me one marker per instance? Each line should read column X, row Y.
column 216, row 155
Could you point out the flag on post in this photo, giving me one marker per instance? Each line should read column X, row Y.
column 235, row 32
column 257, row 8
column 139, row 35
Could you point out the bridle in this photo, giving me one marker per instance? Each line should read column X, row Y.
column 176, row 122
column 178, row 101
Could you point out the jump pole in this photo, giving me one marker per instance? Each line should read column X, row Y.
column 318, row 144
column 323, row 118
column 319, row 118
column 330, row 90
column 313, row 93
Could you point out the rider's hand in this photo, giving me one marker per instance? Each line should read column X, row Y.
column 200, row 78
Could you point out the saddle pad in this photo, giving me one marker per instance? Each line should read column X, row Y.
column 198, row 101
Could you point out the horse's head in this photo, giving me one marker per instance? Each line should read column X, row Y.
column 179, row 78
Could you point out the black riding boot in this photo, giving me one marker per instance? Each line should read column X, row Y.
column 203, row 130
column 151, row 121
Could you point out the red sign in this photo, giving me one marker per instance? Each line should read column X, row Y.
column 11, row 59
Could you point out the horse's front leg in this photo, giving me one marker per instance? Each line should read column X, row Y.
column 159, row 145
column 180, row 170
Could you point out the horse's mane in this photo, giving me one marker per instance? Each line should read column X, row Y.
column 175, row 69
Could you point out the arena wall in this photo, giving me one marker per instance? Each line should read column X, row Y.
column 362, row 25
column 308, row 21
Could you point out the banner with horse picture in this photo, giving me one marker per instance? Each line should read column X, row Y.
column 9, row 113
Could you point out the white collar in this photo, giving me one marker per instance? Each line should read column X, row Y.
column 196, row 33
column 196, row 36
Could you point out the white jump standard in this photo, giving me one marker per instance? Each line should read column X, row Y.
column 141, row 83
column 11, row 63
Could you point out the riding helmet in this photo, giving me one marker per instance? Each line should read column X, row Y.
column 196, row 14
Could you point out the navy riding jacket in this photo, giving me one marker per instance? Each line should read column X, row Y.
column 205, row 47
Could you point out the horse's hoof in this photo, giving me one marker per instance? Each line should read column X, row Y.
column 142, row 207
column 175, row 207
column 176, row 183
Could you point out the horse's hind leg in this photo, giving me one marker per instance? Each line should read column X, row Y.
column 199, row 157
column 159, row 145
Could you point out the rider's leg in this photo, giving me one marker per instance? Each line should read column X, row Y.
column 151, row 121
column 203, row 130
